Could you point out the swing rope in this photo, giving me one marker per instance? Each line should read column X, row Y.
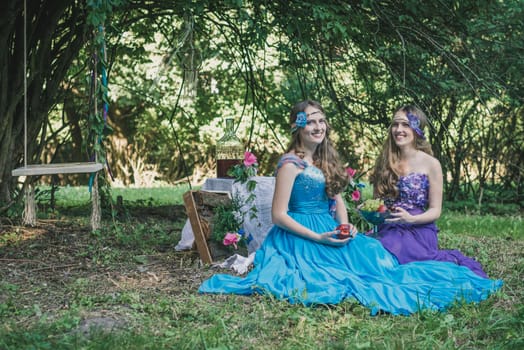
column 28, row 170
column 44, row 169
column 25, row 83
column 177, row 141
column 29, row 213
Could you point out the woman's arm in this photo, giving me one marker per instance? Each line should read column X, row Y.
column 341, row 213
column 435, row 191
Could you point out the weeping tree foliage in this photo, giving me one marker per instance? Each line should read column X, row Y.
column 177, row 68
column 56, row 32
column 362, row 60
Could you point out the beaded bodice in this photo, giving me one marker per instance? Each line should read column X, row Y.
column 413, row 191
column 309, row 190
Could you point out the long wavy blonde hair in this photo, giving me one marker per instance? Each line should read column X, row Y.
column 325, row 157
column 386, row 171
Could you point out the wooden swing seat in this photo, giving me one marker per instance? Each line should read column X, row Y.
column 57, row 168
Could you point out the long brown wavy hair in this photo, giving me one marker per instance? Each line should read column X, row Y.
column 386, row 173
column 326, row 157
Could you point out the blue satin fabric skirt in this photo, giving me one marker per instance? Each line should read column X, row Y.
column 302, row 271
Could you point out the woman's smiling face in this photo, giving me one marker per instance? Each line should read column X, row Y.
column 401, row 131
column 315, row 130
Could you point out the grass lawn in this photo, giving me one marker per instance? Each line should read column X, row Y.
column 125, row 287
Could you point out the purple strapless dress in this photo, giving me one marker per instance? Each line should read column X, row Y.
column 411, row 242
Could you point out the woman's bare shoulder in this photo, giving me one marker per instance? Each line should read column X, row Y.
column 426, row 164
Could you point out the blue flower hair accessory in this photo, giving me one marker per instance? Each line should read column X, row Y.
column 300, row 122
column 414, row 123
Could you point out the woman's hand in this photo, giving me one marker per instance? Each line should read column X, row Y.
column 400, row 216
column 330, row 237
column 352, row 231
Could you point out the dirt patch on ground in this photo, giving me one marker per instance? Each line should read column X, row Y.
column 49, row 265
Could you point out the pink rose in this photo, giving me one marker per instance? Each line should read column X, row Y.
column 351, row 172
column 355, row 196
column 249, row 159
column 231, row 238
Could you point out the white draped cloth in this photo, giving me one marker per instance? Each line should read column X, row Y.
column 256, row 229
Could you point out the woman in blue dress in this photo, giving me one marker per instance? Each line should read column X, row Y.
column 302, row 260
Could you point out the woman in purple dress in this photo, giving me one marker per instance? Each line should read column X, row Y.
column 409, row 179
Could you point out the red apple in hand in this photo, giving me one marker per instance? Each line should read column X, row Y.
column 382, row 208
column 343, row 231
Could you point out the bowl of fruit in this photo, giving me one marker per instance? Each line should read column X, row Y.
column 374, row 211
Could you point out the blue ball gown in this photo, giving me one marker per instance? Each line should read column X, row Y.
column 299, row 270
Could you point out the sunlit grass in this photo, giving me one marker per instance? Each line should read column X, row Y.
column 482, row 225
column 70, row 196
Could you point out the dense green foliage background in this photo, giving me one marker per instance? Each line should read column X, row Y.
column 177, row 69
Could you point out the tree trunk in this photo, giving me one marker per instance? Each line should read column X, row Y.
column 55, row 33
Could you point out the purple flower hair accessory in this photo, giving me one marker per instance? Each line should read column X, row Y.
column 414, row 123
column 300, row 122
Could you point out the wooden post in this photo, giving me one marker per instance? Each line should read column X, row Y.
column 29, row 217
column 194, row 220
column 96, row 211
column 199, row 206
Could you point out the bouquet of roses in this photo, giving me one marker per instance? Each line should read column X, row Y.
column 244, row 171
column 353, row 199
column 228, row 221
